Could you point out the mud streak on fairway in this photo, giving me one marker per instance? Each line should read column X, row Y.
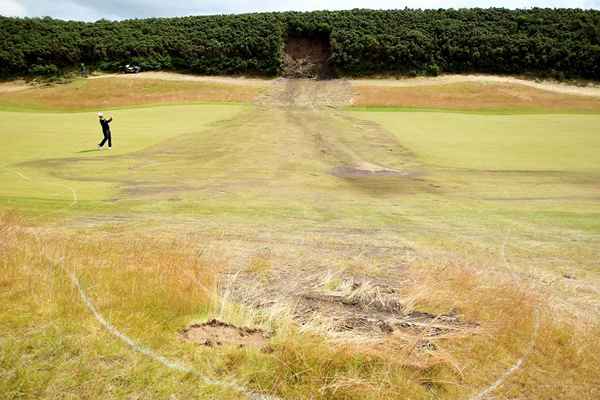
column 294, row 134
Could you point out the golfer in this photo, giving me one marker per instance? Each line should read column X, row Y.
column 105, row 130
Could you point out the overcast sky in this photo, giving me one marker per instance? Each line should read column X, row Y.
column 88, row 10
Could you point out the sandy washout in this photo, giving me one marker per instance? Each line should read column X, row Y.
column 14, row 86
column 552, row 86
column 366, row 169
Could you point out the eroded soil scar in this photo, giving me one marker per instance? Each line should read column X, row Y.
column 375, row 314
column 217, row 333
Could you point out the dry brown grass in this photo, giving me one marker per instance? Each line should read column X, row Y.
column 514, row 323
column 83, row 94
column 472, row 96
column 150, row 288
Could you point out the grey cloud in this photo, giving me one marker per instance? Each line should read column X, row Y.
column 593, row 4
column 123, row 9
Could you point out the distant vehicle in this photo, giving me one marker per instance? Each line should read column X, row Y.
column 132, row 69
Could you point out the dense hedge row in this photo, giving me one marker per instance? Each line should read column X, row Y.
column 208, row 45
column 540, row 41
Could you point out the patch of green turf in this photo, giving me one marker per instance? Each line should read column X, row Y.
column 487, row 111
column 530, row 180
column 29, row 137
column 498, row 142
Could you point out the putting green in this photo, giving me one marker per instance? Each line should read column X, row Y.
column 538, row 172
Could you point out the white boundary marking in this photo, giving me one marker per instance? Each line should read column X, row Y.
column 25, row 177
column 514, row 368
column 171, row 364
column 481, row 395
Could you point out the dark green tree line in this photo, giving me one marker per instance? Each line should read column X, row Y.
column 558, row 42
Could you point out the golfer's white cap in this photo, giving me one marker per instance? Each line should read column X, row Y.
column 100, row 114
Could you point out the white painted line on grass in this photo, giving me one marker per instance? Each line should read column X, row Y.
column 22, row 175
column 514, row 368
column 171, row 364
column 25, row 177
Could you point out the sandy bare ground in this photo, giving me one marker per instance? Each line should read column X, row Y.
column 13, row 86
column 552, row 86
column 172, row 76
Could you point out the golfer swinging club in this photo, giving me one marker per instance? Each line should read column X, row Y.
column 105, row 130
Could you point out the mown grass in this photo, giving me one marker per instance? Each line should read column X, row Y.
column 39, row 136
column 561, row 143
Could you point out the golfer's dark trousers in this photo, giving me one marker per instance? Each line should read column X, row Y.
column 107, row 138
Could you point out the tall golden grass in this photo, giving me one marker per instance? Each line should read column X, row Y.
column 51, row 347
column 473, row 96
column 98, row 93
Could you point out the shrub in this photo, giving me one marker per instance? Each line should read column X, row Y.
column 49, row 70
column 433, row 70
column 535, row 41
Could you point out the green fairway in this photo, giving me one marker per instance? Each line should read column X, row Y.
column 33, row 136
column 497, row 142
column 467, row 170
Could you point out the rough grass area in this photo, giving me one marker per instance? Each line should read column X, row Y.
column 149, row 289
column 93, row 94
column 382, row 255
column 473, row 96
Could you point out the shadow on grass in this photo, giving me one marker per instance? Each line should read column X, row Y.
column 89, row 151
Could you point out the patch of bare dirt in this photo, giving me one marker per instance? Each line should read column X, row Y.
column 307, row 93
column 13, row 86
column 173, row 76
column 373, row 310
column 217, row 333
column 140, row 190
column 351, row 306
column 366, row 170
column 307, row 57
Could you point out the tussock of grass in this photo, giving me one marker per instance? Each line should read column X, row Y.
column 260, row 263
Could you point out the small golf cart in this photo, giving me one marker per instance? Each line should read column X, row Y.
column 132, row 69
